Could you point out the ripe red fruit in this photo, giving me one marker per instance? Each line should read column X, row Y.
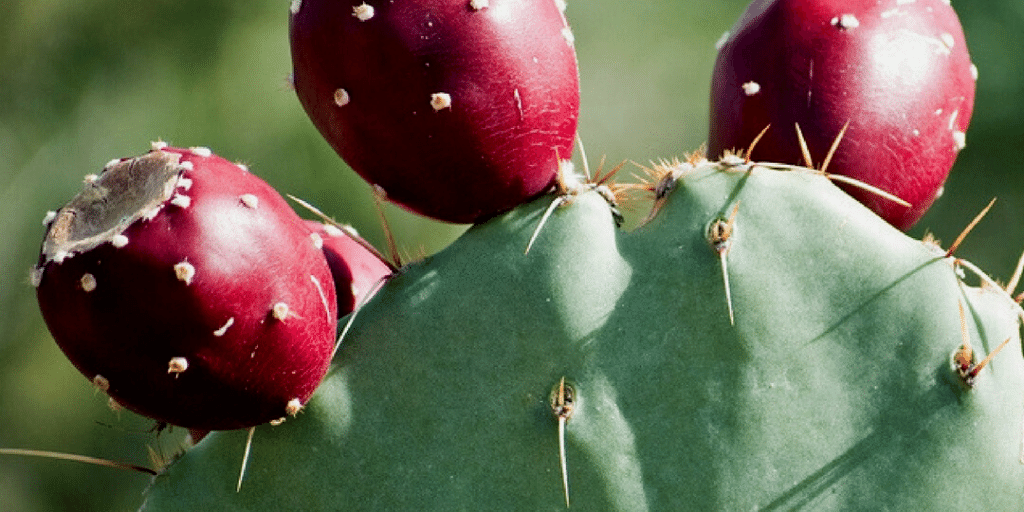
column 188, row 290
column 357, row 270
column 458, row 109
column 897, row 71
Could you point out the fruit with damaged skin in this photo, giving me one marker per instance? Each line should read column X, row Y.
column 898, row 72
column 187, row 289
column 458, row 109
column 357, row 268
column 835, row 389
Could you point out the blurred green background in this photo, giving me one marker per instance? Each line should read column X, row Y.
column 83, row 82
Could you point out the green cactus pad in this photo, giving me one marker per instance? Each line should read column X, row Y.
column 833, row 390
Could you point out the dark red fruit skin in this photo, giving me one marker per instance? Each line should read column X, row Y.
column 892, row 74
column 509, row 68
column 357, row 270
column 247, row 258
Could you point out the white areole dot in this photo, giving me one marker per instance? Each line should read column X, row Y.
column 974, row 72
column 363, row 11
column 35, row 276
column 318, row 241
column 476, row 5
column 202, row 151
column 101, row 383
column 751, row 88
column 242, row 167
column 184, row 183
column 440, row 100
column 112, row 163
column 724, row 38
column 250, row 200
column 280, row 311
column 177, row 365
column 561, row 5
column 88, row 282
column 89, row 179
column 48, row 218
column 186, row 166
column 158, row 145
column 948, row 40
column 341, row 97
column 181, row 201
column 845, row 22
column 569, row 38
column 119, row 241
column 185, row 272
column 333, row 230
column 295, row 6
column 293, row 407
column 959, row 140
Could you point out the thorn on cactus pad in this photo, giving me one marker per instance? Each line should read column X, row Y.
column 245, row 459
column 963, row 357
column 563, row 404
column 970, row 227
column 720, row 236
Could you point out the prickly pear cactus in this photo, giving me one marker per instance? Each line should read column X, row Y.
column 842, row 382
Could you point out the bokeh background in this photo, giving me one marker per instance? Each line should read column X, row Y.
column 82, row 82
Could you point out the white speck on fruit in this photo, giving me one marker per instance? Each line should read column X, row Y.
column 916, row 132
column 158, row 145
column 959, row 140
column 274, row 423
column 890, row 13
column 947, row 39
column 48, row 218
column 181, row 201
column 440, row 101
column 333, row 230
column 293, row 407
column 952, row 119
column 318, row 241
column 751, row 88
column 201, row 151
column 101, row 383
column 938, row 194
column 341, row 97
column 561, row 5
column 724, row 38
column 184, row 183
column 904, row 2
column 112, row 163
column 845, row 22
column 177, row 365
column 89, row 179
column 476, row 5
column 569, row 38
column 295, row 6
column 224, row 328
column 350, row 230
column 280, row 311
column 250, row 200
column 185, row 272
column 186, row 166
column 974, row 72
column 363, row 11
column 242, row 167
column 519, row 102
column 35, row 276
column 88, row 282
column 114, row 405
column 60, row 256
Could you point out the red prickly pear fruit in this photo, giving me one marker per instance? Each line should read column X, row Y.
column 458, row 109
column 356, row 268
column 188, row 290
column 898, row 72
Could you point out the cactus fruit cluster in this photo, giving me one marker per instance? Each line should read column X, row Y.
column 763, row 341
column 895, row 76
